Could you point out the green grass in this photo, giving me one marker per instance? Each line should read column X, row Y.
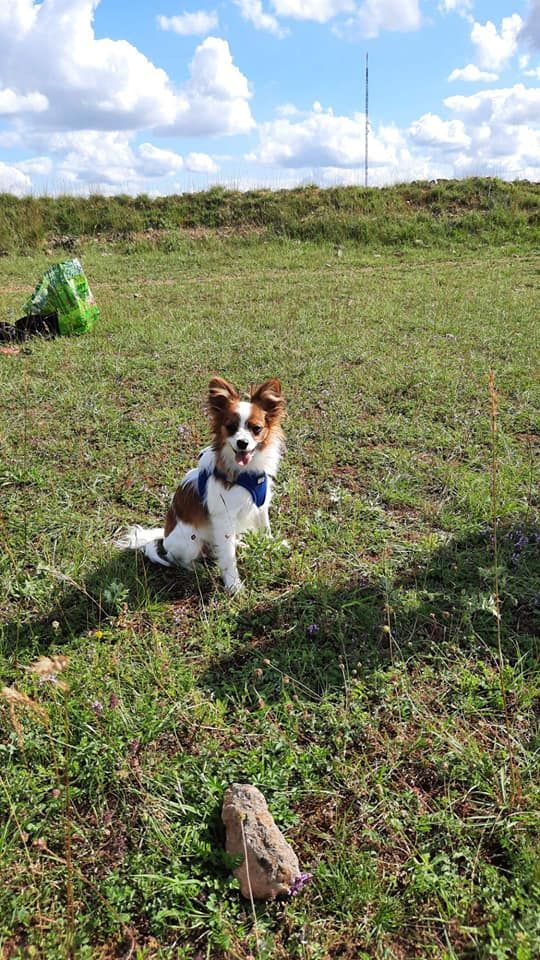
column 445, row 212
column 379, row 738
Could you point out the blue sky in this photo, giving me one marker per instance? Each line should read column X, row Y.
column 121, row 96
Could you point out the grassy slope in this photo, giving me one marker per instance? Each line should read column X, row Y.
column 379, row 738
column 442, row 212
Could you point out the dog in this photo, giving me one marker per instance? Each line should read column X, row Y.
column 230, row 490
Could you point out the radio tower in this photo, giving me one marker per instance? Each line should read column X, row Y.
column 367, row 125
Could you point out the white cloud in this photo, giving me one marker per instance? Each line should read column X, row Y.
column 13, row 180
column 196, row 23
column 374, row 16
column 90, row 159
column 86, row 83
column 252, row 10
column 531, row 28
column 321, row 139
column 214, row 74
column 155, row 162
column 492, row 132
column 408, row 169
column 367, row 18
column 494, row 48
column 510, row 105
column 472, row 74
column 287, row 110
column 524, row 61
column 200, row 163
column 430, row 130
column 96, row 157
column 36, row 166
column 215, row 99
column 318, row 10
column 95, row 94
column 9, row 139
column 500, row 133
column 16, row 16
column 461, row 7
column 12, row 102
column 90, row 83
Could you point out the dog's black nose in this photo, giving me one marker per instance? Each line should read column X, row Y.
column 241, row 444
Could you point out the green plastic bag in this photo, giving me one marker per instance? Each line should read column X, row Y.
column 64, row 289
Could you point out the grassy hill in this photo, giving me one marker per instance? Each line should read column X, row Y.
column 378, row 680
column 441, row 212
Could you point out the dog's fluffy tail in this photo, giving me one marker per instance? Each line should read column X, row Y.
column 147, row 540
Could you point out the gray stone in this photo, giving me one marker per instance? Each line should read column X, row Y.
column 272, row 865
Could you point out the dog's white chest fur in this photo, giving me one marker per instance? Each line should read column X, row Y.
column 208, row 518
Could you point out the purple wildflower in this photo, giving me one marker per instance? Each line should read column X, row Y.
column 312, row 629
column 114, row 700
column 519, row 541
column 97, row 707
column 299, row 884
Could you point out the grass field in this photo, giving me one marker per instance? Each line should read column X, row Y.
column 361, row 682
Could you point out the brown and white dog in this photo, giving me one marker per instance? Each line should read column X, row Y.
column 229, row 491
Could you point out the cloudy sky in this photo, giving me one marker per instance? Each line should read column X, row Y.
column 169, row 95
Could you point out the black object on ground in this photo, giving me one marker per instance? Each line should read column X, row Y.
column 34, row 325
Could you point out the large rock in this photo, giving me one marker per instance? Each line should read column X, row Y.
column 272, row 867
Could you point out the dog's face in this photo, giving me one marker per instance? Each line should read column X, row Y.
column 244, row 426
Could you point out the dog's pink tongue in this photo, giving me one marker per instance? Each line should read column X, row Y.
column 243, row 457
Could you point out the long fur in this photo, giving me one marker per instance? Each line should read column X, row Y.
column 137, row 538
column 247, row 436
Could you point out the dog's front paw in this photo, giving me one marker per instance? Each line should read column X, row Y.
column 234, row 586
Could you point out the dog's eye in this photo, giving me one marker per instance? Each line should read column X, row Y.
column 231, row 428
column 256, row 429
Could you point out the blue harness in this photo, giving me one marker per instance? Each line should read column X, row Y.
column 255, row 483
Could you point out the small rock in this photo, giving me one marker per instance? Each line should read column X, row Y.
column 272, row 865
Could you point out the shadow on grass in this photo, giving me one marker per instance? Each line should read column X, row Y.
column 440, row 605
column 315, row 634
column 439, row 608
column 79, row 607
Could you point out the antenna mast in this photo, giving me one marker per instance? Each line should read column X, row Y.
column 367, row 125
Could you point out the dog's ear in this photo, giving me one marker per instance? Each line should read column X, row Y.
column 270, row 398
column 221, row 395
